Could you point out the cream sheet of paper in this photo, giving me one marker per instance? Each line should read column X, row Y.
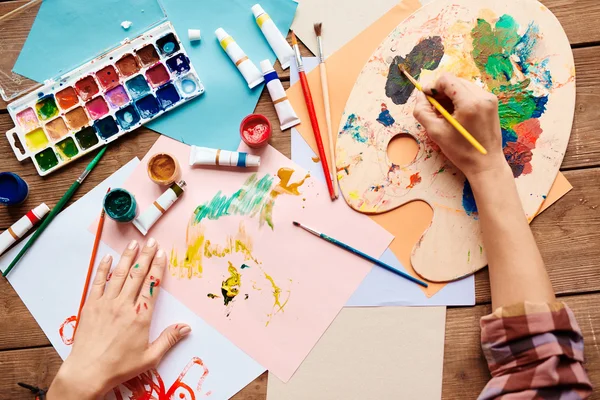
column 315, row 277
column 342, row 20
column 52, row 293
column 372, row 353
column 406, row 223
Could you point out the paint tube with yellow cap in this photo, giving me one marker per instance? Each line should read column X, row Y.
column 280, row 46
column 239, row 58
column 149, row 217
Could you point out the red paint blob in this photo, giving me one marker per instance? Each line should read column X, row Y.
column 255, row 130
column 157, row 75
column 108, row 77
column 414, row 179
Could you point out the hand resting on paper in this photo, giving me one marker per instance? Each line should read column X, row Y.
column 530, row 337
column 111, row 343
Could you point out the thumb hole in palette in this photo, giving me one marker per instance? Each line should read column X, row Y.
column 402, row 149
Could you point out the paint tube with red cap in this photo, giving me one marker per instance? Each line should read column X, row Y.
column 20, row 228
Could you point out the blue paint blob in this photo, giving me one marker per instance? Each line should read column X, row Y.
column 13, row 189
column 468, row 201
column 167, row 44
column 508, row 135
column 354, row 130
column 179, row 64
column 127, row 117
column 385, row 118
column 167, row 96
column 147, row 106
column 106, row 127
column 138, row 87
column 540, row 106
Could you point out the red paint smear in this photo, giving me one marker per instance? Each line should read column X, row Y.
column 414, row 179
column 61, row 330
column 137, row 310
column 145, row 306
column 109, row 276
column 150, row 386
column 528, row 132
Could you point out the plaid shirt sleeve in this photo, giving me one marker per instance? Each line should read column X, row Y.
column 534, row 351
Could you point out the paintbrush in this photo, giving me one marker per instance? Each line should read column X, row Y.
column 57, row 208
column 361, row 254
column 325, row 89
column 313, row 116
column 86, row 285
column 445, row 113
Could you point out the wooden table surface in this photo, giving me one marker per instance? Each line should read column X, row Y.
column 568, row 233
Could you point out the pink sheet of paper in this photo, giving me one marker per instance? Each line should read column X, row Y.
column 294, row 283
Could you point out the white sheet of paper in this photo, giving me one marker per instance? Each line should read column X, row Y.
column 342, row 20
column 381, row 287
column 372, row 353
column 51, row 292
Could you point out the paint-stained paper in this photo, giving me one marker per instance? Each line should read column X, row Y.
column 382, row 287
column 239, row 263
column 212, row 119
column 372, row 353
column 67, row 243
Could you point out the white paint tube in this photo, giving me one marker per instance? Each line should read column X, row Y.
column 207, row 156
column 22, row 226
column 285, row 112
column 150, row 215
column 276, row 40
column 239, row 58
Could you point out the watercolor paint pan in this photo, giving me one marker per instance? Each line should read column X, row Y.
column 103, row 99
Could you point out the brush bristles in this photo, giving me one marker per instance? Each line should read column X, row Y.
column 318, row 27
column 296, row 223
column 294, row 41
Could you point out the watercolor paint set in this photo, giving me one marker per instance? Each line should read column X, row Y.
column 103, row 99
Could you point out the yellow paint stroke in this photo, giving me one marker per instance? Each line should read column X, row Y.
column 199, row 248
column 277, row 306
column 230, row 287
column 284, row 186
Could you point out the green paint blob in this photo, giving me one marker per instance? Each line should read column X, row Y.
column 244, row 266
column 46, row 159
column 67, row 148
column 86, row 138
column 136, row 266
column 492, row 48
column 249, row 200
column 120, row 205
column 46, row 108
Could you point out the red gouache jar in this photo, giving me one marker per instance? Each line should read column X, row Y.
column 255, row 130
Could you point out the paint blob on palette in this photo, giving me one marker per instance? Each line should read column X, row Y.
column 103, row 99
column 516, row 50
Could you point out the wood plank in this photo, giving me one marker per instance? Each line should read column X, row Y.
column 578, row 18
column 35, row 367
column 465, row 371
column 584, row 145
column 567, row 235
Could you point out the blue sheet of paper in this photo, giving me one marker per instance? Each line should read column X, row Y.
column 381, row 287
column 211, row 120
column 66, row 33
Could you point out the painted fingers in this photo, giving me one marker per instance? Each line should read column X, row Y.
column 121, row 271
column 151, row 285
column 139, row 270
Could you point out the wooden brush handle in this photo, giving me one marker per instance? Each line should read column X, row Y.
column 332, row 166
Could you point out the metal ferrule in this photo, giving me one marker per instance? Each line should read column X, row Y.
column 83, row 175
column 320, row 46
column 299, row 63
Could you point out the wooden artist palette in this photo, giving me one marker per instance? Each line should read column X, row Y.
column 103, row 99
column 516, row 49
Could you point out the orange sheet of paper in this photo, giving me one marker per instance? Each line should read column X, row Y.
column 406, row 223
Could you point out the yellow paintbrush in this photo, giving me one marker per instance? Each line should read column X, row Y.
column 445, row 113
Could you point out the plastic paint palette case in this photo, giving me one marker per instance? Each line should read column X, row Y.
column 103, row 99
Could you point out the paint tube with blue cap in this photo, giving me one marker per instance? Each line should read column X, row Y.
column 207, row 156
column 286, row 114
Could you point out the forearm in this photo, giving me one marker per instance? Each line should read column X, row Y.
column 69, row 385
column 516, row 268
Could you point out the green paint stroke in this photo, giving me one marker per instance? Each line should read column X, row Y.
column 253, row 198
column 244, row 266
column 136, row 266
column 492, row 48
